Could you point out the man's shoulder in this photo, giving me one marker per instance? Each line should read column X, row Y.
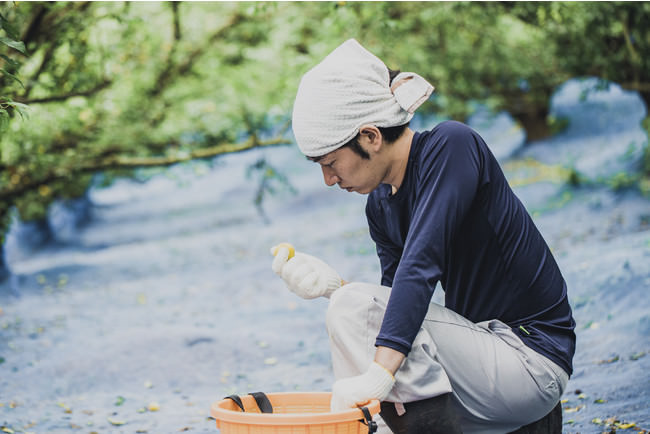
column 437, row 137
column 452, row 129
column 454, row 133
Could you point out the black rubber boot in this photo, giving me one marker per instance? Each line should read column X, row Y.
column 430, row 416
column 549, row 424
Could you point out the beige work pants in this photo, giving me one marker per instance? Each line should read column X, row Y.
column 497, row 382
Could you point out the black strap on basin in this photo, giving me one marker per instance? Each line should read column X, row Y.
column 237, row 400
column 262, row 402
column 260, row 398
column 371, row 424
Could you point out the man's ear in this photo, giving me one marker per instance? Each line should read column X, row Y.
column 371, row 137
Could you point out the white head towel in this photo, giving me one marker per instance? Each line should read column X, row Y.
column 348, row 89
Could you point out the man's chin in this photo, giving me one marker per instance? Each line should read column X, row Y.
column 356, row 190
column 361, row 192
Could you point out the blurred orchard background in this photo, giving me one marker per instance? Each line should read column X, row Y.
column 119, row 119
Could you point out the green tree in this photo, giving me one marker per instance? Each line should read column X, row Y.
column 607, row 40
column 471, row 52
column 113, row 87
column 109, row 91
column 13, row 47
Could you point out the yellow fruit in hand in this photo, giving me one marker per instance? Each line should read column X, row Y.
column 292, row 251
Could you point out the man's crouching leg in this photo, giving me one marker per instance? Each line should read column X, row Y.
column 354, row 318
column 432, row 415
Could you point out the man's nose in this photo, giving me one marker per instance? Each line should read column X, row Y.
column 329, row 176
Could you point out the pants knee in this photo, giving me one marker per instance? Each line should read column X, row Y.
column 343, row 306
column 349, row 308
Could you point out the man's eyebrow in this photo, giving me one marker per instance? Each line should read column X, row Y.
column 316, row 159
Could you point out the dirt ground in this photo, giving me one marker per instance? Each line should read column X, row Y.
column 165, row 302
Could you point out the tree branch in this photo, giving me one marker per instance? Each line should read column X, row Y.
column 234, row 20
column 42, row 29
column 173, row 70
column 634, row 55
column 47, row 56
column 32, row 28
column 118, row 162
column 177, row 21
column 63, row 97
column 640, row 87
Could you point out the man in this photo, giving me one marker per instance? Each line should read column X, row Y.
column 498, row 355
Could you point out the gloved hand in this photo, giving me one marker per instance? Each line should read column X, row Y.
column 375, row 383
column 305, row 275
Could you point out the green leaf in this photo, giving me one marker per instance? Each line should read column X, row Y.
column 11, row 61
column 21, row 108
column 8, row 27
column 4, row 120
column 9, row 74
column 16, row 45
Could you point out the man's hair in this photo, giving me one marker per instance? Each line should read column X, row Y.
column 390, row 134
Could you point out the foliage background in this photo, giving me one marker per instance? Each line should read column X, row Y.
column 91, row 91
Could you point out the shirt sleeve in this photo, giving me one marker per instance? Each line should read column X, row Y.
column 447, row 180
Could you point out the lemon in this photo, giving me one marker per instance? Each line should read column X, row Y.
column 292, row 251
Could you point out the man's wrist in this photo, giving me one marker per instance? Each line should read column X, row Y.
column 389, row 359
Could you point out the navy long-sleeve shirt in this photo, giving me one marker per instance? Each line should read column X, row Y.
column 456, row 220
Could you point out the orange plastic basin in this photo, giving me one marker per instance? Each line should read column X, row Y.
column 293, row 413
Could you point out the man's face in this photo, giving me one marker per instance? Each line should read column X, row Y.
column 351, row 171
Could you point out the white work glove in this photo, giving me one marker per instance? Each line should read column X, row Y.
column 376, row 383
column 305, row 275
